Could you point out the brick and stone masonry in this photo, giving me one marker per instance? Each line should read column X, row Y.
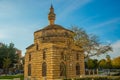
column 53, row 55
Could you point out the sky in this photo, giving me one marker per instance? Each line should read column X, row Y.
column 19, row 19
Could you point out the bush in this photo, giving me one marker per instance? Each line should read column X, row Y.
column 97, row 78
column 11, row 77
column 67, row 79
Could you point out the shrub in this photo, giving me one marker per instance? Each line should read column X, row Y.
column 11, row 77
column 97, row 78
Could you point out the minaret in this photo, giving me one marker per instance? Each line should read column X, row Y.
column 51, row 16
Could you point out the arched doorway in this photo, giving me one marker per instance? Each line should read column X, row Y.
column 77, row 69
column 62, row 69
column 44, row 69
column 29, row 69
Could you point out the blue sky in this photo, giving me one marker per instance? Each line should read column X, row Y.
column 20, row 18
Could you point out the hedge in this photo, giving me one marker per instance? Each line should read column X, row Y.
column 11, row 77
column 96, row 78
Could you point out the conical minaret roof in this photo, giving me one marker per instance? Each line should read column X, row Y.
column 51, row 15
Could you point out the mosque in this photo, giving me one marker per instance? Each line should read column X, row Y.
column 53, row 55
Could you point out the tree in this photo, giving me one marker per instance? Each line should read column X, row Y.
column 89, row 42
column 6, row 64
column 108, row 62
column 116, row 62
column 90, row 64
column 95, row 61
column 8, row 51
column 102, row 64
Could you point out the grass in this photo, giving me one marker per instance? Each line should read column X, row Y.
column 12, row 77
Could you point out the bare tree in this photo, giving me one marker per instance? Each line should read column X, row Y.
column 89, row 42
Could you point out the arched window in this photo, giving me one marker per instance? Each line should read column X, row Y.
column 44, row 69
column 62, row 69
column 44, row 54
column 29, row 69
column 37, row 47
column 29, row 56
column 77, row 69
column 77, row 56
column 62, row 55
column 65, row 57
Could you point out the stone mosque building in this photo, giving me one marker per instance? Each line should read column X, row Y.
column 53, row 55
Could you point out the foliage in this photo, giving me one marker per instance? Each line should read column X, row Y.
column 91, row 64
column 89, row 42
column 8, row 51
column 102, row 64
column 6, row 64
column 108, row 62
column 116, row 62
column 96, row 78
column 11, row 77
column 95, row 61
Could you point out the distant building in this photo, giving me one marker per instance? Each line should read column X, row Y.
column 1, row 44
column 53, row 55
column 19, row 64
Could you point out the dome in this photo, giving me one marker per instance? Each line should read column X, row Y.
column 53, row 27
column 54, row 30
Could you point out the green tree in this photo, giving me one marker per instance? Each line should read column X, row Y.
column 6, row 64
column 95, row 61
column 8, row 51
column 116, row 62
column 89, row 42
column 102, row 64
column 108, row 62
column 90, row 64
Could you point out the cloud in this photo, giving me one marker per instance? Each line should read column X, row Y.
column 71, row 5
column 102, row 24
column 116, row 49
column 14, row 31
column 86, row 20
column 3, row 33
column 113, row 54
column 105, row 27
column 2, row 36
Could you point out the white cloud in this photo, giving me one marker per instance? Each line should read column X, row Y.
column 113, row 54
column 116, row 49
column 86, row 20
column 71, row 5
column 2, row 36
column 102, row 24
